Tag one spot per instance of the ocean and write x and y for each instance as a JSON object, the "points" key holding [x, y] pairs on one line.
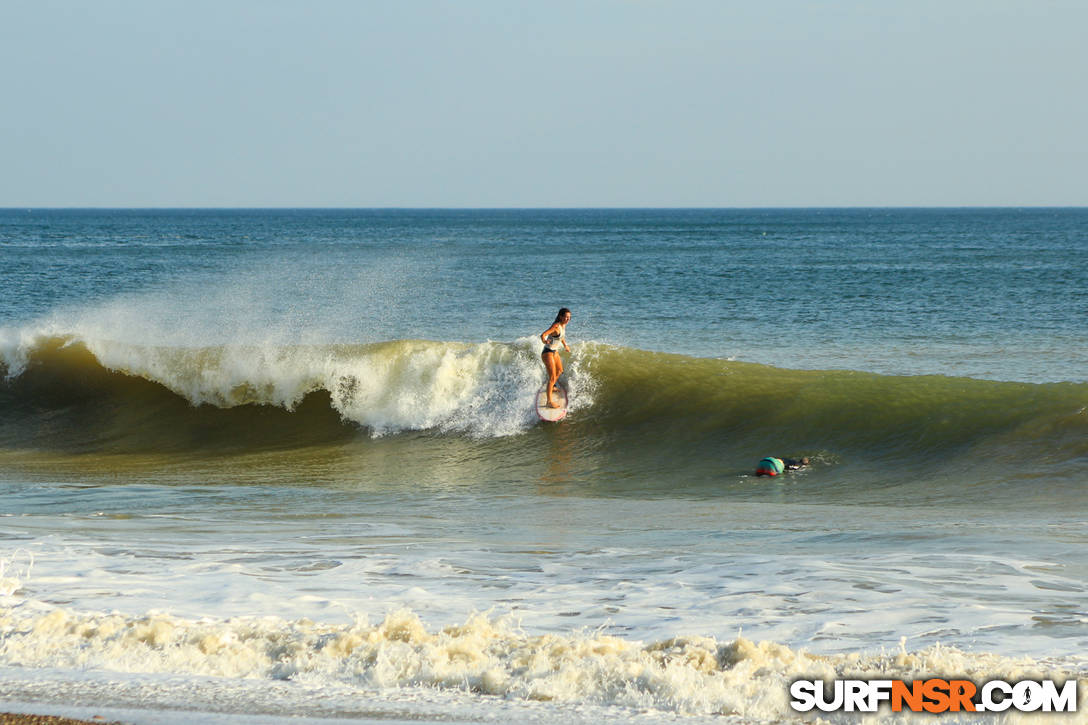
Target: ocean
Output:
{"points": [[279, 466]]}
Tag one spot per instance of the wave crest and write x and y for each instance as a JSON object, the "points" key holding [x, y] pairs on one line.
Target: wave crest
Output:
{"points": [[645, 408], [484, 389]]}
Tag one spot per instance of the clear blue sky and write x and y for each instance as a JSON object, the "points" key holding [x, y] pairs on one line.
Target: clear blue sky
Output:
{"points": [[557, 103]]}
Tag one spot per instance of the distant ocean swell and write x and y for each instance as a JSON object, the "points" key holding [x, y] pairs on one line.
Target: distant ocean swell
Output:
{"points": [[485, 656], [68, 393]]}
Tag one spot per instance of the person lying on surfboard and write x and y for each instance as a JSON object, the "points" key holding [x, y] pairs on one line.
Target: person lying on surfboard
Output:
{"points": [[771, 466], [552, 338]]}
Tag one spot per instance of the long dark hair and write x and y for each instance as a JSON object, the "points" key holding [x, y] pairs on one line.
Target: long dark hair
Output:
{"points": [[559, 317]]}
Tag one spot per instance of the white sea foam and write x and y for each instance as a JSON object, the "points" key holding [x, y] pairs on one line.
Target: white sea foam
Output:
{"points": [[13, 570], [484, 656], [614, 600]]}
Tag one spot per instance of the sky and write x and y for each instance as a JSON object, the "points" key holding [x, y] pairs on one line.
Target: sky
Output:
{"points": [[564, 103]]}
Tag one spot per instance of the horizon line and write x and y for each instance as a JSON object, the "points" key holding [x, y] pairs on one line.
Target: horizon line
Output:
{"points": [[539, 208]]}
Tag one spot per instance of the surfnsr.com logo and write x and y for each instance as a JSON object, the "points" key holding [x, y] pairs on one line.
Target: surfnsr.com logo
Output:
{"points": [[934, 695]]}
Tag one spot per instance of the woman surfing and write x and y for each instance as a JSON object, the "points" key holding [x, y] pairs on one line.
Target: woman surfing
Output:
{"points": [[552, 338]]}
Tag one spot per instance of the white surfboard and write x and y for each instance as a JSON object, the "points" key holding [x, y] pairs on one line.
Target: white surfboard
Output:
{"points": [[552, 415]]}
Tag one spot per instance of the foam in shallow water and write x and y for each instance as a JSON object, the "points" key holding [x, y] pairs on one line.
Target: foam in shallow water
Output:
{"points": [[484, 656]]}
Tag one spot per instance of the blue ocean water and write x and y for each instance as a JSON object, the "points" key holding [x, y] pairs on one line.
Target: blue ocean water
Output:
{"points": [[994, 293], [284, 462]]}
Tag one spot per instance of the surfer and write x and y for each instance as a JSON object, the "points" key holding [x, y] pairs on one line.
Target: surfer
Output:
{"points": [[771, 466], [552, 338]]}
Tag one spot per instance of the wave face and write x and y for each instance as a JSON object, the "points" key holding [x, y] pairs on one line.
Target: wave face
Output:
{"points": [[658, 412]]}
